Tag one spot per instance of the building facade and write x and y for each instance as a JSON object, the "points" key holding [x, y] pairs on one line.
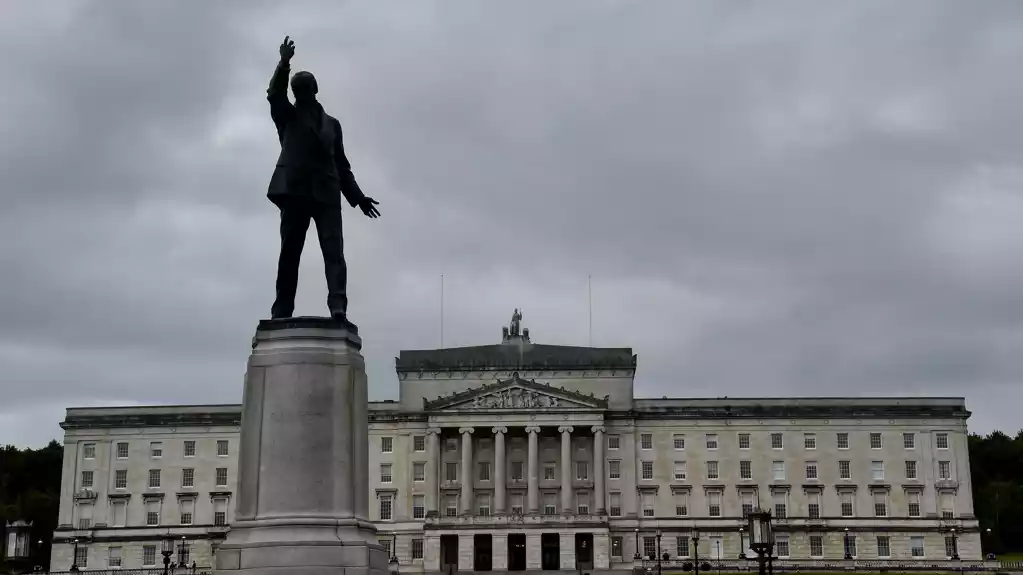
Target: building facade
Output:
{"points": [[521, 456]]}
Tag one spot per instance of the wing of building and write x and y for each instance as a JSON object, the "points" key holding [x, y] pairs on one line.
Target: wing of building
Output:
{"points": [[519, 456]]}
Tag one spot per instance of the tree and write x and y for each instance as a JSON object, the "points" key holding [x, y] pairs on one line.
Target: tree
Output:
{"points": [[30, 490], [996, 470]]}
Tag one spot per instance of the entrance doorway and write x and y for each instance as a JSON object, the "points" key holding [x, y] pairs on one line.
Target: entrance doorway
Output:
{"points": [[516, 551], [550, 551], [483, 553], [449, 553], [584, 551]]}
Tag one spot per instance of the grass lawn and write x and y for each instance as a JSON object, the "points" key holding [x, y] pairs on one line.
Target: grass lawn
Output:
{"points": [[1018, 556]]}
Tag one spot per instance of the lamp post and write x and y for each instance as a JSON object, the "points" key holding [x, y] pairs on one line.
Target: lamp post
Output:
{"points": [[742, 543], [845, 544], [955, 544], [394, 553], [658, 552], [74, 557], [183, 553], [761, 537], [167, 549], [696, 551], [990, 545], [637, 556]]}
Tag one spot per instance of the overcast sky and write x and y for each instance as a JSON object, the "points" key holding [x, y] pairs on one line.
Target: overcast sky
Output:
{"points": [[773, 198]]}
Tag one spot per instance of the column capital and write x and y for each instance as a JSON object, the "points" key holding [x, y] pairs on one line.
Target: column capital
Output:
{"points": [[566, 429], [464, 430], [433, 431], [533, 429], [598, 429], [499, 429]]}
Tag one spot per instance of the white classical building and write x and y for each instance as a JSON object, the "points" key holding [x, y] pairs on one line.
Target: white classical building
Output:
{"points": [[521, 456]]}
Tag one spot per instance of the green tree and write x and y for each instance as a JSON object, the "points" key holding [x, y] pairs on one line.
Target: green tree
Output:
{"points": [[30, 490], [996, 470]]}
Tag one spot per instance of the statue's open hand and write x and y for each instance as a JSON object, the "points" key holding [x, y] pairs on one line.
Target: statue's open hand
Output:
{"points": [[368, 207], [287, 48]]}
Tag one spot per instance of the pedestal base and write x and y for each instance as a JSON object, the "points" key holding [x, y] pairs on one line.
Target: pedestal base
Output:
{"points": [[302, 502]]}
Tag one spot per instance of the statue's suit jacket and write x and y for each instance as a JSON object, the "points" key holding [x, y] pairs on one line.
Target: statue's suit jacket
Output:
{"points": [[312, 164]]}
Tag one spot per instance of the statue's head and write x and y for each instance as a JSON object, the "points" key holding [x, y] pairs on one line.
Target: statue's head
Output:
{"points": [[303, 85]]}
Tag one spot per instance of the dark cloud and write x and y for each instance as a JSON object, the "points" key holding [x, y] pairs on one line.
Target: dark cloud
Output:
{"points": [[771, 199]]}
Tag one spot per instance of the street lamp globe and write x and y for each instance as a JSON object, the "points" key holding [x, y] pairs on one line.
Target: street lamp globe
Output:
{"points": [[761, 534]]}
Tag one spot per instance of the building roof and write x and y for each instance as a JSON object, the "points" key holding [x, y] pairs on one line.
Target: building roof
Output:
{"points": [[515, 355]]}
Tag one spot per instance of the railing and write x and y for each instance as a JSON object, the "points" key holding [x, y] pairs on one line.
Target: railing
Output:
{"points": [[138, 571], [513, 519], [813, 566]]}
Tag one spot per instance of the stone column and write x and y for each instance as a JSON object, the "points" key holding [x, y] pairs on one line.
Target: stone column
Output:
{"points": [[466, 552], [533, 486], [566, 542], [533, 552], [303, 491], [602, 551], [432, 472], [431, 553], [499, 551], [466, 499], [566, 471], [599, 497], [500, 476]]}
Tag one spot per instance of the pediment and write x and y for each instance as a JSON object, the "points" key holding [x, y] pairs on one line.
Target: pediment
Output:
{"points": [[516, 394]]}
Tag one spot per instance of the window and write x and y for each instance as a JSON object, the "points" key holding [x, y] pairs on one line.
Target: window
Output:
{"points": [[119, 508], [811, 470], [946, 506], [649, 547], [845, 499], [712, 441], [550, 504], [450, 444], [148, 555], [221, 477], [647, 469], [616, 504], [188, 477], [913, 500], [483, 505], [776, 441], [781, 545], [121, 479], [550, 471], [418, 506], [616, 546], [842, 440], [186, 518], [87, 477], [712, 470], [419, 443], [154, 478], [419, 472], [614, 469], [189, 448], [941, 441], [386, 543], [810, 440], [875, 441], [682, 546], [849, 545], [844, 470], [944, 470], [113, 557], [152, 517], [516, 503], [778, 470], [743, 441], [877, 470], [89, 451], [746, 501], [646, 441], [484, 471], [222, 449], [417, 549], [122, 450], [745, 470], [516, 470], [386, 444], [714, 504], [451, 506], [186, 506], [220, 511], [880, 504], [386, 507], [950, 547], [647, 500], [156, 449], [781, 506], [84, 515], [614, 442], [679, 471], [679, 442], [813, 506], [816, 546], [884, 547], [582, 470], [582, 502], [910, 470], [681, 504], [450, 472], [385, 473], [185, 552], [909, 441], [916, 547]]}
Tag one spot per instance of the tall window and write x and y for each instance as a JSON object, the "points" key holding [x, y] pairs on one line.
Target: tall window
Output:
{"points": [[849, 545], [85, 515], [148, 555], [780, 504], [714, 504], [614, 442], [222, 449], [89, 451], [156, 449], [483, 504], [152, 512], [450, 471], [582, 470], [188, 477], [417, 549], [550, 504], [950, 547], [877, 470], [119, 510], [646, 441], [386, 507], [186, 509], [484, 471], [875, 441], [679, 471], [712, 441], [221, 476], [845, 499], [87, 478], [910, 470], [916, 547], [516, 503], [418, 506], [616, 546], [451, 506], [816, 546], [419, 471], [778, 470], [113, 556], [884, 547], [385, 473], [909, 441], [189, 448], [781, 545], [681, 503], [682, 546], [913, 501], [516, 470], [647, 469], [844, 470], [941, 441], [810, 440], [712, 470], [813, 505], [154, 478], [121, 479], [679, 442], [946, 504], [647, 499], [776, 441], [582, 502], [220, 511], [615, 507], [122, 450], [842, 440], [550, 471], [650, 547], [745, 469], [419, 443], [944, 470], [746, 500], [880, 504], [386, 444], [614, 469], [744, 441], [811, 470]]}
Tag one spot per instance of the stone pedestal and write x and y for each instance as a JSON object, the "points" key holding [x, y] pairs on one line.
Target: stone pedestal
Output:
{"points": [[302, 501]]}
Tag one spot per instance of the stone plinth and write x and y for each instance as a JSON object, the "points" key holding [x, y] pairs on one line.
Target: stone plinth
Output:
{"points": [[302, 501]]}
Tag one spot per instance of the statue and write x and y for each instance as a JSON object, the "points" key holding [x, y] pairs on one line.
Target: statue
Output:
{"points": [[515, 322], [311, 171]]}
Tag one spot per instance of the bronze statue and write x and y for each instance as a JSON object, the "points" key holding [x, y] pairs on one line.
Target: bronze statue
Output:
{"points": [[311, 170]]}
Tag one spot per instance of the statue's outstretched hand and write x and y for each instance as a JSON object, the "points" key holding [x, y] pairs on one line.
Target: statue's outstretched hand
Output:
{"points": [[287, 49], [368, 207]]}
